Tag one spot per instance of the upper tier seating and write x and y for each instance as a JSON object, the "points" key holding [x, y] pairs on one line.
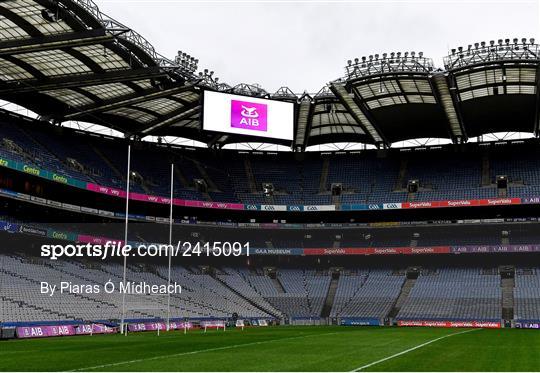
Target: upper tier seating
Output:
{"points": [[365, 178]]}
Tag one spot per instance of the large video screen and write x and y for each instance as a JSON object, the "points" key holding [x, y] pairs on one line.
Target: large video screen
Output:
{"points": [[249, 116]]}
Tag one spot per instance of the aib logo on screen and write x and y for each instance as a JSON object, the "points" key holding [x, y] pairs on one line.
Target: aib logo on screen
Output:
{"points": [[249, 116]]}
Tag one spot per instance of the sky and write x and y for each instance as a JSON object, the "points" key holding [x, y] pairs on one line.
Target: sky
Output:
{"points": [[306, 44]]}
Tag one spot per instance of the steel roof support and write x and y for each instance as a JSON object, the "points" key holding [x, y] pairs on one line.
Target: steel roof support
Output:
{"points": [[45, 43], [449, 103], [26, 67], [20, 22], [537, 110], [357, 113], [115, 104], [83, 80], [175, 116], [305, 113]]}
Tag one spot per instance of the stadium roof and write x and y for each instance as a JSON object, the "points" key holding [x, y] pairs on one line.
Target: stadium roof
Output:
{"points": [[65, 60]]}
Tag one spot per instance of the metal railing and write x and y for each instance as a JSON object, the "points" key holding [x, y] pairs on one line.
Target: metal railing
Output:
{"points": [[503, 50]]}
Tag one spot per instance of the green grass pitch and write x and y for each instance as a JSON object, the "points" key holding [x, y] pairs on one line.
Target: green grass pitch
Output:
{"points": [[282, 349]]}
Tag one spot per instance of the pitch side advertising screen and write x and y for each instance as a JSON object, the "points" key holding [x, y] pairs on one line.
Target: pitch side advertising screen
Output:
{"points": [[248, 116]]}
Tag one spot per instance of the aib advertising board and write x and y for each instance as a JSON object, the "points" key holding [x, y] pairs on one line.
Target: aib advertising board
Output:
{"points": [[248, 116]]}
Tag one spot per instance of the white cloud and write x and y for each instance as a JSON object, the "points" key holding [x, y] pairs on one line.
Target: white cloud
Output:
{"points": [[304, 45]]}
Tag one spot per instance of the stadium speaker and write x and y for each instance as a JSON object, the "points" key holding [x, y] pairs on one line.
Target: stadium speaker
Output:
{"points": [[337, 189], [268, 189], [412, 186], [50, 15], [200, 185], [502, 182]]}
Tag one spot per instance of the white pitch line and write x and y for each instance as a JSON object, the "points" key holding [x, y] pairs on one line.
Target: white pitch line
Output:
{"points": [[411, 349], [196, 352]]}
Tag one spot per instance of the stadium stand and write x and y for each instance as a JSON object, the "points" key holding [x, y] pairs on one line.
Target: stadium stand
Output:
{"points": [[451, 293], [76, 68]]}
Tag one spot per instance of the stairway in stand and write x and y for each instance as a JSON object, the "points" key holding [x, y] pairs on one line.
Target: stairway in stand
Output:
{"points": [[329, 302]]}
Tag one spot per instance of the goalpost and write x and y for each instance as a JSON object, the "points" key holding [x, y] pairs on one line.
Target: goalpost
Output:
{"points": [[123, 326], [157, 308]]}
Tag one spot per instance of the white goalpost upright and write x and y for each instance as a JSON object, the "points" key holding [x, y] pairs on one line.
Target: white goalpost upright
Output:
{"points": [[170, 250], [123, 327]]}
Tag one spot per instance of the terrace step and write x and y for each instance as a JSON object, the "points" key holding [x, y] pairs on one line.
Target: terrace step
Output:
{"points": [[250, 177], [324, 175], [331, 295], [507, 298], [408, 285], [278, 285]]}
